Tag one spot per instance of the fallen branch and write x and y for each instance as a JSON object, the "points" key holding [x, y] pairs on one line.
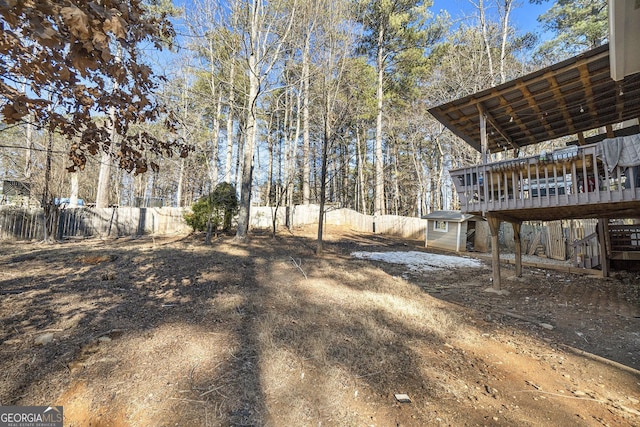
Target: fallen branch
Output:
{"points": [[591, 399], [211, 390], [187, 400], [525, 319], [367, 375], [298, 264]]}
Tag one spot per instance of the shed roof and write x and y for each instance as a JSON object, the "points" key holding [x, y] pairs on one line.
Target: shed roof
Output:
{"points": [[572, 96], [451, 216]]}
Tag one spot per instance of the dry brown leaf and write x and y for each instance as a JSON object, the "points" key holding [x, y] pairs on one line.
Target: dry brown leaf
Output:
{"points": [[8, 113], [116, 25], [77, 21], [45, 33]]}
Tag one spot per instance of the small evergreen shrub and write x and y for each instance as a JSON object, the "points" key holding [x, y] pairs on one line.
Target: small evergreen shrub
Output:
{"points": [[215, 210]]}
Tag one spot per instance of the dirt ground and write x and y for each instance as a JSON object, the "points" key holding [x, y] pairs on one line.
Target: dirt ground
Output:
{"points": [[172, 332]]}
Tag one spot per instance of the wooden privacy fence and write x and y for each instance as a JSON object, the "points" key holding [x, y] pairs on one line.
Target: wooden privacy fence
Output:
{"points": [[28, 224], [401, 226]]}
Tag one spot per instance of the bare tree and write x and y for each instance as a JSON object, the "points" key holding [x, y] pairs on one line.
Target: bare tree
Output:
{"points": [[336, 49], [261, 50], [504, 10]]}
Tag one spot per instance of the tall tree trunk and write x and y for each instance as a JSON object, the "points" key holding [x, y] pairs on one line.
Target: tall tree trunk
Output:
{"points": [[323, 176], [505, 32], [47, 204], [361, 180], [73, 196], [215, 131], [306, 144], [184, 138], [344, 167], [215, 134], [437, 202], [240, 139], [315, 149], [395, 178], [149, 189], [29, 140], [102, 196], [250, 130], [485, 36], [420, 174], [379, 205], [290, 171], [272, 153], [181, 171], [104, 176], [258, 67], [231, 100]]}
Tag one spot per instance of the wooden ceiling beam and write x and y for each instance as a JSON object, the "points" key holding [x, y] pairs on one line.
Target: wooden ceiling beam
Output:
{"points": [[497, 127], [512, 115], [557, 93], [609, 129], [563, 108], [603, 87], [606, 89], [581, 138], [588, 92], [536, 108]]}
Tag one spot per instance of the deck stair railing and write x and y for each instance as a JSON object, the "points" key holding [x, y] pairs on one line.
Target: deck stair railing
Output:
{"points": [[624, 238], [586, 252]]}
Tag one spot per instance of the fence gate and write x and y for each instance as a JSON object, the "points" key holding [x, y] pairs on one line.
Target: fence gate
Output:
{"points": [[556, 241]]}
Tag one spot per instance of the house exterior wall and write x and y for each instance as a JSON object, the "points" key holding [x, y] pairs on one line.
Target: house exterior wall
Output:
{"points": [[453, 239]]}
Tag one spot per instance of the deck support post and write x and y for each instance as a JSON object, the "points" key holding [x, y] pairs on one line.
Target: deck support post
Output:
{"points": [[603, 233], [494, 226], [484, 142], [518, 243]]}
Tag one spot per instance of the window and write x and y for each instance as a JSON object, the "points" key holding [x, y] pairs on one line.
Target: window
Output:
{"points": [[442, 226]]}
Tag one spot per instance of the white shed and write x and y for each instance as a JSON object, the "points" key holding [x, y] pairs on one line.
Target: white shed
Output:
{"points": [[455, 231]]}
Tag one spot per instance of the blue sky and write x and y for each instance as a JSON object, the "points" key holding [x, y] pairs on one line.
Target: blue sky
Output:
{"points": [[523, 16]]}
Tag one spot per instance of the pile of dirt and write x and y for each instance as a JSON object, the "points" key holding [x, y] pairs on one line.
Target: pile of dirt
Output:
{"points": [[264, 332]]}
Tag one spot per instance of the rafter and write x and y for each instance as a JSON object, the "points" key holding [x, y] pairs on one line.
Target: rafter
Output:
{"points": [[496, 126]]}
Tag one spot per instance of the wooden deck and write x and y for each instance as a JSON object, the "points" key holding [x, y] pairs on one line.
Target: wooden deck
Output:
{"points": [[570, 183], [565, 99]]}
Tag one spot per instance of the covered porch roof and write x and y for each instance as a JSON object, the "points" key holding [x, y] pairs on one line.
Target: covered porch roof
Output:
{"points": [[567, 98]]}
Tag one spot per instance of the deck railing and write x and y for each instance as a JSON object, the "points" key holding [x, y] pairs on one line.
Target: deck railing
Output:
{"points": [[568, 177], [586, 253]]}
